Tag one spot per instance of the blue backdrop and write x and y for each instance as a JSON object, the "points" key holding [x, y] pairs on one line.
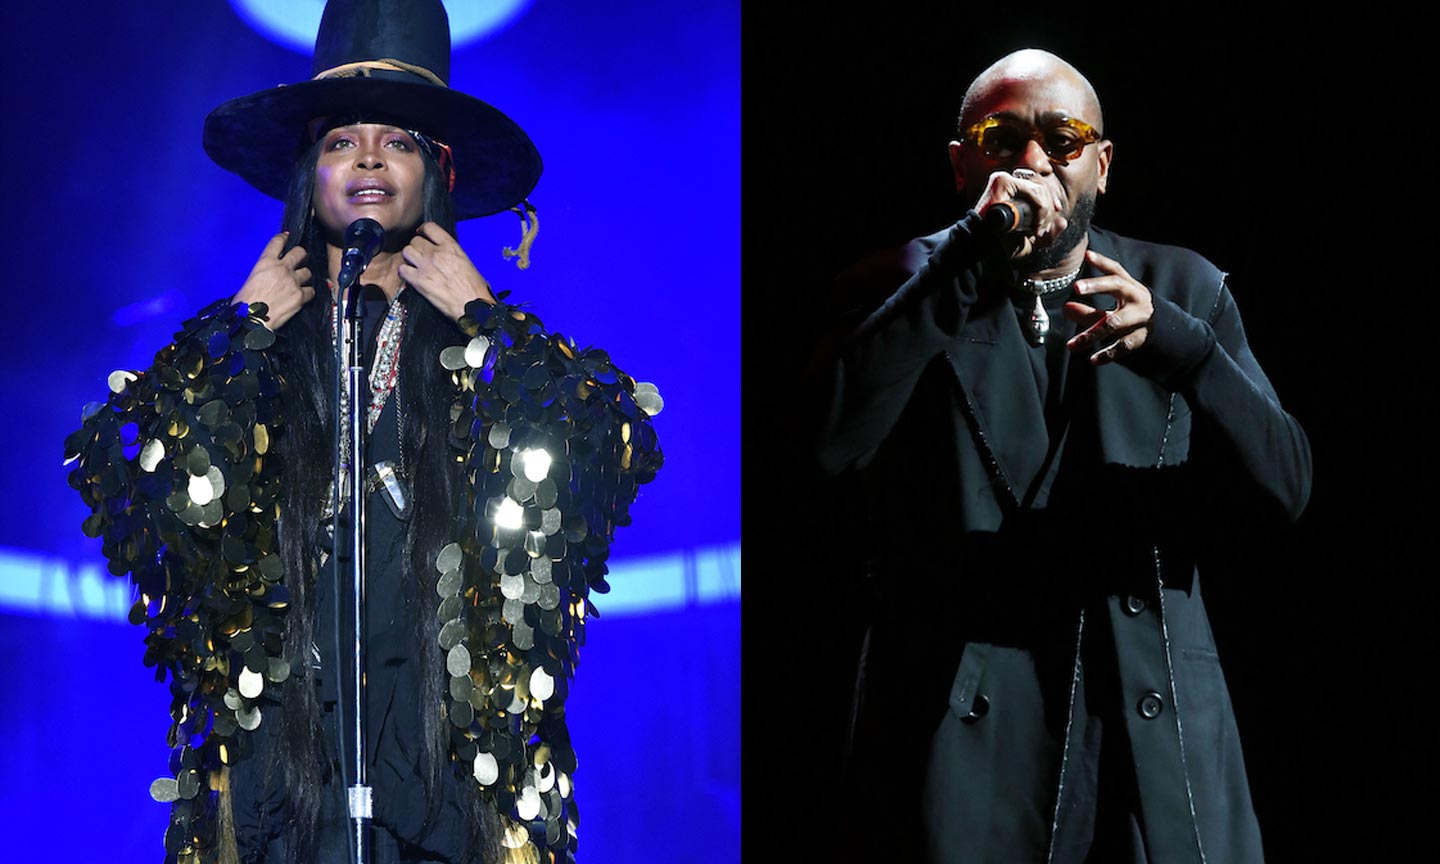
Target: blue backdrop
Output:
{"points": [[124, 227]]}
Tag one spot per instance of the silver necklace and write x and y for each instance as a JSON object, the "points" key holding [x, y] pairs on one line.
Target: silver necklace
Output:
{"points": [[384, 379], [1039, 322]]}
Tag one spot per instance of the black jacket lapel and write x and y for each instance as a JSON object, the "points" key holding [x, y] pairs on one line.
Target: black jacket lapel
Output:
{"points": [[991, 362], [1129, 429]]}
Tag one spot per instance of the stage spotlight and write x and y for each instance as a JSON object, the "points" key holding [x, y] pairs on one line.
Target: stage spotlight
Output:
{"points": [[293, 23]]}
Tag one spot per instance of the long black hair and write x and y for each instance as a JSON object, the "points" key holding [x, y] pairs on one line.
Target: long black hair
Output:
{"points": [[305, 354]]}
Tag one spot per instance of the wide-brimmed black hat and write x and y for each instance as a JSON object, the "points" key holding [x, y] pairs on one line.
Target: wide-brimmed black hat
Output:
{"points": [[387, 60]]}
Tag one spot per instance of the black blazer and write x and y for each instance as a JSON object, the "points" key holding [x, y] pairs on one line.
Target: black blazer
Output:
{"points": [[1008, 555]]}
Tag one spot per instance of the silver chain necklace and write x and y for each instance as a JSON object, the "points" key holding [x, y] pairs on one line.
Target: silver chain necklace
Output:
{"points": [[1038, 321], [384, 378]]}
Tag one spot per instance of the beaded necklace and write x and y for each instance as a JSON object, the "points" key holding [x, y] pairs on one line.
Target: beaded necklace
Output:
{"points": [[384, 378], [1038, 322]]}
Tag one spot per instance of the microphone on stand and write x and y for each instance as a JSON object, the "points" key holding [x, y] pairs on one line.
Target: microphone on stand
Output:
{"points": [[362, 240]]}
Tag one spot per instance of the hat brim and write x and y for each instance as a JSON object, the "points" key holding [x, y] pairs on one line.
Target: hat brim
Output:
{"points": [[259, 136]]}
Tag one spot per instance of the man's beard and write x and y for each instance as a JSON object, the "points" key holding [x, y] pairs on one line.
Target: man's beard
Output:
{"points": [[1076, 227]]}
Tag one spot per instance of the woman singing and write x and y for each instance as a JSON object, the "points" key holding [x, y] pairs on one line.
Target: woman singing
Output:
{"points": [[499, 460]]}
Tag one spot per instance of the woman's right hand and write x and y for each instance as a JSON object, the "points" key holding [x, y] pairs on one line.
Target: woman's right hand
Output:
{"points": [[281, 282]]}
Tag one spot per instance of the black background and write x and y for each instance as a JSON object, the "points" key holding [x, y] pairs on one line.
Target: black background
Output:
{"points": [[1294, 155]]}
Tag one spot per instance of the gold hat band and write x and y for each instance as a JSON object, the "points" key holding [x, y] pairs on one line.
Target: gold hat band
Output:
{"points": [[363, 68]]}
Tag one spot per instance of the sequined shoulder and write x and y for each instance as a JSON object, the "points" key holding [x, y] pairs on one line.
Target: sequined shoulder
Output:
{"points": [[555, 441], [177, 469]]}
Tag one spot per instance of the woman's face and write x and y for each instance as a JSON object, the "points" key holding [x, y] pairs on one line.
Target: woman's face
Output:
{"points": [[369, 170]]}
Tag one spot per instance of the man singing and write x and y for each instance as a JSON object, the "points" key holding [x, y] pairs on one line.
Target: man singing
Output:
{"points": [[1048, 426]]}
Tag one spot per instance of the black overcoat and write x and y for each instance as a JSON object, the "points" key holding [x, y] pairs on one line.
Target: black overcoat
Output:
{"points": [[1035, 590]]}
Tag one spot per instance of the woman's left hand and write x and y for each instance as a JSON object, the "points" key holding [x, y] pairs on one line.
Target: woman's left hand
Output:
{"points": [[434, 264]]}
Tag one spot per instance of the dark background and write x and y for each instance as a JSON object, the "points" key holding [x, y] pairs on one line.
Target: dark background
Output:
{"points": [[1293, 157]]}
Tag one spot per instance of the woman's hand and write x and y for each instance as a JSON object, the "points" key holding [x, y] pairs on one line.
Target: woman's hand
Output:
{"points": [[435, 265], [281, 282]]}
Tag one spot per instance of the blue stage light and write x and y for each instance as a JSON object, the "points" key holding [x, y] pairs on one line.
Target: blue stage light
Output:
{"points": [[293, 23]]}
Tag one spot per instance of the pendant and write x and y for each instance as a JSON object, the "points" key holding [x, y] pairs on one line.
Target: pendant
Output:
{"points": [[1039, 323], [394, 494]]}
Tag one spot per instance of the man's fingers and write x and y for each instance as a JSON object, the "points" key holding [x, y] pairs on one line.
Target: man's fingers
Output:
{"points": [[1113, 335], [1123, 328], [1042, 197], [1052, 230], [1087, 319], [1123, 287], [1031, 189], [295, 257], [1114, 351], [303, 276], [1081, 314], [1105, 265], [1120, 348]]}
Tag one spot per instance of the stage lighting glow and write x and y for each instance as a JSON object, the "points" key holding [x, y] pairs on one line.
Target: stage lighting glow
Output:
{"points": [[535, 463], [32, 583], [510, 514], [293, 23]]}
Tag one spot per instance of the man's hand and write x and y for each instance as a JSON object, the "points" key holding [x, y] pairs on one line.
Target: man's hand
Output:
{"points": [[436, 266], [1049, 209], [1113, 335], [281, 282]]}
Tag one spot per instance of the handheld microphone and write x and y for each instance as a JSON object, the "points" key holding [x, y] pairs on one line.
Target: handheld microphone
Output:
{"points": [[1010, 217], [362, 240]]}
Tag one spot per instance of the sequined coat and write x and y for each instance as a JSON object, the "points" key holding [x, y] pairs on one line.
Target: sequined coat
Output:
{"points": [[1034, 573], [179, 472]]}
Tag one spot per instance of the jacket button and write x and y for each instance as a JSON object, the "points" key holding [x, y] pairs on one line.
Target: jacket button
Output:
{"points": [[1134, 605], [1150, 705], [978, 708]]}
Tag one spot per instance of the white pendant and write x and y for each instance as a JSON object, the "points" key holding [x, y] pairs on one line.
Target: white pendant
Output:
{"points": [[1039, 323]]}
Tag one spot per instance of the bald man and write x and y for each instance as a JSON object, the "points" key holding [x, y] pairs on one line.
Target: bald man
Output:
{"points": [[1048, 425]]}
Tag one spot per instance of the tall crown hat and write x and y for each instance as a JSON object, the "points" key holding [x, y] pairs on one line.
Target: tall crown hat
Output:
{"points": [[387, 61]]}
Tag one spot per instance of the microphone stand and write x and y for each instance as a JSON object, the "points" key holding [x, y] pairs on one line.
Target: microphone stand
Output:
{"points": [[350, 375]]}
